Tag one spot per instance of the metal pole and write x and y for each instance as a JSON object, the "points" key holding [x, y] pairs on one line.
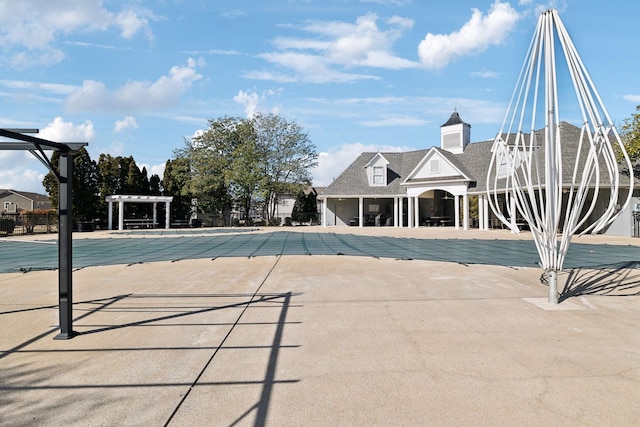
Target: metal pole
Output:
{"points": [[552, 165], [552, 277], [65, 226]]}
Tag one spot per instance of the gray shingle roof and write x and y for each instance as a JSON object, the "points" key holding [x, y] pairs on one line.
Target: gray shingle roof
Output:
{"points": [[473, 163], [453, 120]]}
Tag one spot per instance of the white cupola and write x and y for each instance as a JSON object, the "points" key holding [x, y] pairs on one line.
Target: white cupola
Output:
{"points": [[455, 134]]}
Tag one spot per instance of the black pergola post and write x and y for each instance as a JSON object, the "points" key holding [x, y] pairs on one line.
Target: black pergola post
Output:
{"points": [[65, 228], [64, 174]]}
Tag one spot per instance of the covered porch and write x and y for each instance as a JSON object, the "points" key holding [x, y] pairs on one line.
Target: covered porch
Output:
{"points": [[421, 207]]}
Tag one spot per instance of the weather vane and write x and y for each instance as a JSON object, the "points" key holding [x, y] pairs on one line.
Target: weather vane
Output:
{"points": [[560, 184]]}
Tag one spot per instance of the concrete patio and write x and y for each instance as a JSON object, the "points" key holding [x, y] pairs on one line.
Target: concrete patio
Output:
{"points": [[322, 340]]}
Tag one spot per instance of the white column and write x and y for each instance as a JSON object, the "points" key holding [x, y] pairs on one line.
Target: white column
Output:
{"points": [[324, 212], [167, 215], [360, 212], [401, 212], [120, 215], [456, 211], [395, 211], [409, 212], [155, 214], [487, 212], [465, 212], [110, 215], [416, 216], [481, 212]]}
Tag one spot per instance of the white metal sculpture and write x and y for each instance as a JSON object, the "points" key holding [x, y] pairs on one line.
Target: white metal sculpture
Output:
{"points": [[559, 187]]}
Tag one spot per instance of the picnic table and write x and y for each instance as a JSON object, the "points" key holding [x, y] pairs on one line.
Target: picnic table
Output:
{"points": [[140, 223]]}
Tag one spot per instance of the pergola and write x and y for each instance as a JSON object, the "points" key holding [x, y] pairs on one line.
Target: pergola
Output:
{"points": [[20, 140], [122, 199]]}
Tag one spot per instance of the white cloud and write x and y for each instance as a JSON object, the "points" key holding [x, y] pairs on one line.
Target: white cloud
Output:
{"points": [[29, 29], [331, 163], [485, 74], [136, 95], [477, 34], [251, 100], [391, 2], [334, 45], [304, 68], [19, 170], [153, 169], [54, 88], [128, 122], [403, 121], [60, 131], [115, 149], [632, 98], [559, 5]]}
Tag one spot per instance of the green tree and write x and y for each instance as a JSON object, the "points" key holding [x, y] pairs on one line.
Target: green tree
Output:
{"points": [[176, 183], [288, 156], [111, 181], [305, 207], [211, 158], [248, 162], [85, 185], [155, 185], [245, 175], [630, 134]]}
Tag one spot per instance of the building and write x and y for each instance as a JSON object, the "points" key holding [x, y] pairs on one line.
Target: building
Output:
{"points": [[286, 202], [432, 187], [12, 201]]}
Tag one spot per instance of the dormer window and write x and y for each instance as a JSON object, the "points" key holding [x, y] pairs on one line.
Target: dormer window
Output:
{"points": [[378, 175], [377, 170]]}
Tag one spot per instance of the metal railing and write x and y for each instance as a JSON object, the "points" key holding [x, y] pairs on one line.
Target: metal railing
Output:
{"points": [[29, 222]]}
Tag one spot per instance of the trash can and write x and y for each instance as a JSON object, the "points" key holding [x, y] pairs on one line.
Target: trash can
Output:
{"points": [[85, 226]]}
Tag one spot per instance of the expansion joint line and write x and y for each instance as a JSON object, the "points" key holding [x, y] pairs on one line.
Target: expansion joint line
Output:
{"points": [[208, 363]]}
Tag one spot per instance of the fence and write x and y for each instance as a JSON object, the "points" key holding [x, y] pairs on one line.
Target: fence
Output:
{"points": [[28, 222]]}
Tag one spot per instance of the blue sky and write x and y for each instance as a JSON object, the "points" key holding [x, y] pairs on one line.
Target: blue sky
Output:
{"points": [[137, 77]]}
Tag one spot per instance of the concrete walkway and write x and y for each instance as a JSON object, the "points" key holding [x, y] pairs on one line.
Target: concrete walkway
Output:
{"points": [[320, 340]]}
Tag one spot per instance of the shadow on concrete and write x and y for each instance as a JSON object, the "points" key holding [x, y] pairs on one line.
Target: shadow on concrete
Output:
{"points": [[22, 378], [621, 279], [100, 304]]}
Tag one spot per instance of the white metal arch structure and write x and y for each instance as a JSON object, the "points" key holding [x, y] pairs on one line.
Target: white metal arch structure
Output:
{"points": [[18, 140], [555, 187]]}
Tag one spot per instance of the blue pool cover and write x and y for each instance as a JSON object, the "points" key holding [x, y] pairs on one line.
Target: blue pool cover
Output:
{"points": [[43, 255]]}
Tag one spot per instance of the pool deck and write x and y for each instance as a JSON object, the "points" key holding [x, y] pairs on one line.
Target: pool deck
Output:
{"points": [[322, 340]]}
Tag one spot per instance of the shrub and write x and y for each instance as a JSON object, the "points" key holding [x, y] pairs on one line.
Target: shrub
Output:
{"points": [[275, 221], [288, 221], [37, 217]]}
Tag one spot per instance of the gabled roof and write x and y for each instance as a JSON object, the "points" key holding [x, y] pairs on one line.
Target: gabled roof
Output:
{"points": [[26, 194], [354, 181], [473, 165], [373, 160], [462, 173]]}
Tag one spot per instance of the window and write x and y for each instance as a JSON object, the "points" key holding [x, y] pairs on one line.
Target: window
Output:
{"points": [[434, 166], [9, 207], [515, 158], [378, 175]]}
